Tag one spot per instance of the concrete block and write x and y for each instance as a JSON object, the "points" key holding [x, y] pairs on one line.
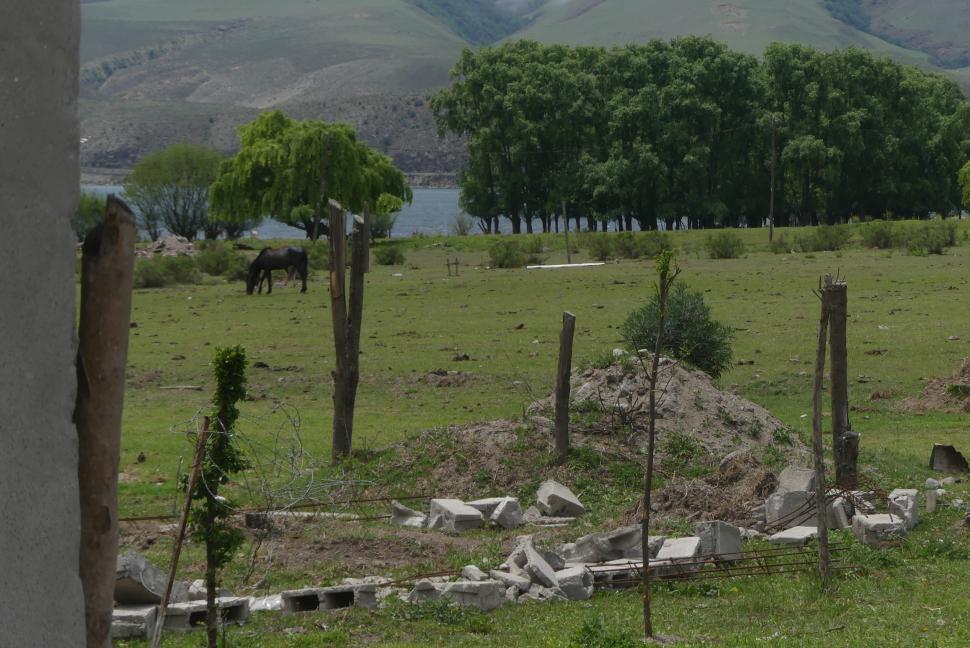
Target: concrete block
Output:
{"points": [[795, 536], [511, 580], [532, 515], [680, 549], [878, 528], [486, 506], [484, 595], [539, 568], [424, 591], [838, 514], [473, 573], [719, 539], [272, 603], [946, 458], [138, 582], [557, 500], [406, 517], [191, 615], [790, 509], [904, 502], [794, 479], [624, 542], [576, 583], [454, 515], [133, 621], [932, 499], [508, 514], [864, 502]]}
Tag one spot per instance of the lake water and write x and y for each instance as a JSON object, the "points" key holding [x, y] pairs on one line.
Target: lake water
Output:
{"points": [[431, 212]]}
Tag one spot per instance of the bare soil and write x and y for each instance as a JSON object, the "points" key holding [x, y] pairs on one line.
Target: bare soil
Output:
{"points": [[950, 394]]}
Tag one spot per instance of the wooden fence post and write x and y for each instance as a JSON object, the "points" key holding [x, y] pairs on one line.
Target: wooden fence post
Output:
{"points": [[107, 270], [845, 442], [817, 448], [562, 383]]}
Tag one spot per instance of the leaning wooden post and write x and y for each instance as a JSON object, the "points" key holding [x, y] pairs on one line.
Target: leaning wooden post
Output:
{"points": [[562, 383], [338, 310], [845, 442], [107, 269], [180, 536], [821, 509]]}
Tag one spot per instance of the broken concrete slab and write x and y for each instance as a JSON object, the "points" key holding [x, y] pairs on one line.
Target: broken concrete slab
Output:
{"points": [[507, 514], [473, 573], [863, 501], [133, 621], [272, 603], [406, 517], [904, 502], [576, 583], [540, 593], [486, 506], [791, 509], [484, 595], [511, 580], [624, 542], [138, 582], [680, 549], [532, 514], [878, 528], [197, 591], [946, 458], [839, 514], [424, 591], [538, 568], [555, 499], [795, 536], [191, 615], [794, 479], [719, 539], [512, 594], [454, 515]]}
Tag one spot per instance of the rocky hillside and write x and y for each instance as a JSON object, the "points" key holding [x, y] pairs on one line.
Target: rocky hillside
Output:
{"points": [[154, 73]]}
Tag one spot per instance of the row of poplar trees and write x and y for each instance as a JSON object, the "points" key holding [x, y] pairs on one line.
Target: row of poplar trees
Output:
{"points": [[688, 132]]}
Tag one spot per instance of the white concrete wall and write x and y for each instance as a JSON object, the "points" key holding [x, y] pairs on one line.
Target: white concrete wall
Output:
{"points": [[41, 602]]}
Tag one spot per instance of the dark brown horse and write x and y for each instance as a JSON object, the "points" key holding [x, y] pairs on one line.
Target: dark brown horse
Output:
{"points": [[269, 259]]}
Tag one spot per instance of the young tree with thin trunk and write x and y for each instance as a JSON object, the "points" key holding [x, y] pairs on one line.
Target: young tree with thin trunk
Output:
{"points": [[667, 272]]}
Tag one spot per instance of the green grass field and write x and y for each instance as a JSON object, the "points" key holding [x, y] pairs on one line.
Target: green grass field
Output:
{"points": [[418, 319]]}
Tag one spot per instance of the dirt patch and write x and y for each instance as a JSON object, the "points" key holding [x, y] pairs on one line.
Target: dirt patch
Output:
{"points": [[138, 378], [444, 378], [951, 394]]}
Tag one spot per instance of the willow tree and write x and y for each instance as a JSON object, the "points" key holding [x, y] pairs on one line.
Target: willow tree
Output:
{"points": [[303, 173]]}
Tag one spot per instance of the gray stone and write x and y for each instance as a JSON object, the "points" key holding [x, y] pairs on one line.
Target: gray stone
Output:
{"points": [[454, 515], [133, 621], [790, 509], [794, 536], [932, 499], [197, 591], [138, 582], [473, 573], [752, 534], [508, 514], [41, 601], [946, 458], [864, 502], [878, 528], [511, 580], [680, 549], [557, 500], [486, 506], [532, 515], [541, 593], [424, 591], [839, 514], [794, 479], [624, 542], [904, 502], [272, 603], [539, 568], [932, 483], [576, 583], [191, 615], [406, 517], [512, 594], [719, 539], [484, 595], [948, 481]]}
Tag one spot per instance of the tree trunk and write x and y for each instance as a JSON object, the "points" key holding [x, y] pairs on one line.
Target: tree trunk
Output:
{"points": [[107, 270]]}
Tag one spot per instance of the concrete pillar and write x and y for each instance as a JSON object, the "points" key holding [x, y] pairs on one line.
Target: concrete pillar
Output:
{"points": [[41, 602]]}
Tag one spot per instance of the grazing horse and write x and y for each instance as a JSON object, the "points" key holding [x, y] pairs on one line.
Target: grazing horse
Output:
{"points": [[270, 259]]}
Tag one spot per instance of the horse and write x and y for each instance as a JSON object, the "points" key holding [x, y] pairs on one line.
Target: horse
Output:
{"points": [[269, 259]]}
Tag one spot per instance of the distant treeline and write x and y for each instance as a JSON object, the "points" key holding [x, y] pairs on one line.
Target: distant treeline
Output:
{"points": [[690, 131]]}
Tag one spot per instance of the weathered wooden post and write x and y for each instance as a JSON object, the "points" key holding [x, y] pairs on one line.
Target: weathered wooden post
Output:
{"points": [[825, 294], [562, 383], [346, 325], [107, 270], [845, 442]]}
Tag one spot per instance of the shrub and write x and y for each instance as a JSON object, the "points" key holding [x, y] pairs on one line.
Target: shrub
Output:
{"points": [[825, 238], [389, 255], [600, 246], [780, 245], [726, 244], [381, 225], [626, 246], [878, 234], [219, 259], [534, 250], [690, 333], [932, 237], [653, 243], [318, 254], [506, 254], [162, 271], [90, 211], [462, 225], [595, 633]]}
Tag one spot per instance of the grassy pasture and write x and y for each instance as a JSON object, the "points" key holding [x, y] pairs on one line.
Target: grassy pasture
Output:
{"points": [[507, 323]]}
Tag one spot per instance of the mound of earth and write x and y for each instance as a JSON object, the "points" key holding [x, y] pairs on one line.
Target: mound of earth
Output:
{"points": [[689, 405], [951, 395]]}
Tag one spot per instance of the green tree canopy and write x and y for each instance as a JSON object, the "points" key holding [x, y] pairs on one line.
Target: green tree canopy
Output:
{"points": [[90, 211], [288, 169], [172, 186]]}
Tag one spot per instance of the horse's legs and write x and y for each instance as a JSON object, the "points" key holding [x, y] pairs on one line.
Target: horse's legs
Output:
{"points": [[303, 273], [269, 281]]}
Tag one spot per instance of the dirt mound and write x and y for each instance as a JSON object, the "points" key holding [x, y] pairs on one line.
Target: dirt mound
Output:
{"points": [[691, 409], [951, 395], [444, 378], [168, 246]]}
